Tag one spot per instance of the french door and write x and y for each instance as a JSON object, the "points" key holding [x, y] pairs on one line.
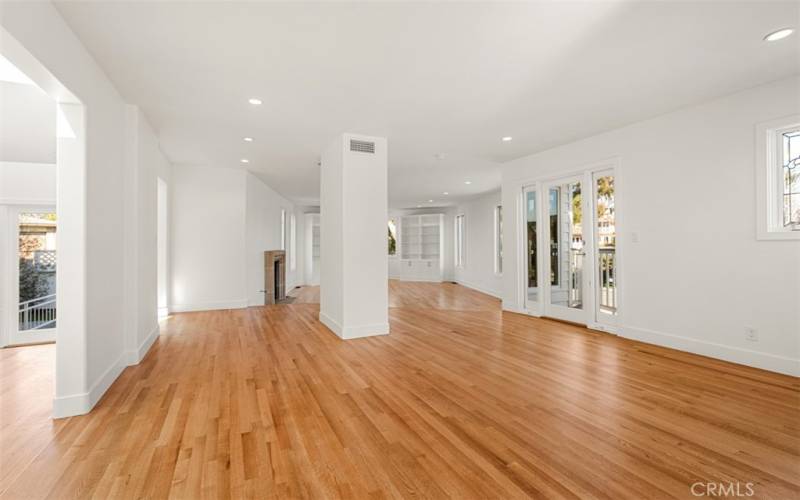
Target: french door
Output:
{"points": [[564, 231], [31, 308], [569, 248]]}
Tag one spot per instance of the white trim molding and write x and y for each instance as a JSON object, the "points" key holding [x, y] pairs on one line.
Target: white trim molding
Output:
{"points": [[481, 289], [134, 357], [208, 306], [82, 403], [762, 360], [353, 332]]}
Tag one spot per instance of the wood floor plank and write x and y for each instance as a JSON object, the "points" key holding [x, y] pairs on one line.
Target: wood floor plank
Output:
{"points": [[461, 400]]}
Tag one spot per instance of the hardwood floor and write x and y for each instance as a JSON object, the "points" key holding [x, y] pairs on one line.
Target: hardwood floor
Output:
{"points": [[461, 400]]}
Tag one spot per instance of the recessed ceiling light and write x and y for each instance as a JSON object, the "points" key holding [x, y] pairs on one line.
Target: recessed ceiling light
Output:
{"points": [[445, 193], [507, 138], [419, 206], [244, 160], [468, 182], [254, 101], [430, 201], [779, 35], [248, 139]]}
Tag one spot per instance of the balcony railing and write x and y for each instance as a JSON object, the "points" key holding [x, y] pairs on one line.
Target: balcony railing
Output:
{"points": [[38, 313], [608, 279]]}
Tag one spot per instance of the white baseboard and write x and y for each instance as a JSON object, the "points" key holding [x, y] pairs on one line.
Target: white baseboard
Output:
{"points": [[422, 280], [134, 357], [514, 309], [765, 361], [80, 404], [353, 332], [209, 306], [477, 288]]}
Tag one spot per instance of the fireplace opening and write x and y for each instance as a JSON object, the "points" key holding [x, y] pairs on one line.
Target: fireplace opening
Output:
{"points": [[277, 285]]}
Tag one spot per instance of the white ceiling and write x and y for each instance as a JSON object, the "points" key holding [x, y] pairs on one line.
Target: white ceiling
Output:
{"points": [[449, 78]]}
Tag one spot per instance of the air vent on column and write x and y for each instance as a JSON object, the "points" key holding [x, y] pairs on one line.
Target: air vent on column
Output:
{"points": [[362, 146]]}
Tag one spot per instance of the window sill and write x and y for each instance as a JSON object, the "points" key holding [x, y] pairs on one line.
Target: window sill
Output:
{"points": [[778, 236]]}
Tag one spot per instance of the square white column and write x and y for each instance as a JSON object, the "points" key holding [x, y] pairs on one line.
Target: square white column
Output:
{"points": [[354, 280]]}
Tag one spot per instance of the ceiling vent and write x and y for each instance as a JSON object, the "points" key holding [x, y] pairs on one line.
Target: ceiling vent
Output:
{"points": [[362, 146]]}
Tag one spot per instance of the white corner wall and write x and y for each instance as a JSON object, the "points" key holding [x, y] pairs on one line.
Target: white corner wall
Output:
{"points": [[263, 232], [697, 276], [222, 220], [478, 271], [89, 362]]}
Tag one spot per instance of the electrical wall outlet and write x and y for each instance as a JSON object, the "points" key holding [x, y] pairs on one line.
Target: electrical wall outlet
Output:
{"points": [[751, 334]]}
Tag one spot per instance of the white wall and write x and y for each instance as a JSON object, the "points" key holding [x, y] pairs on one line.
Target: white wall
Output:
{"points": [[478, 271], [208, 238], [145, 162], [263, 232], [222, 220], [93, 356], [27, 183], [698, 276], [27, 124]]}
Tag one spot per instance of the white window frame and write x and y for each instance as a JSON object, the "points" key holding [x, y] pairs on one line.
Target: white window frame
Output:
{"points": [[283, 229], [498, 240], [459, 231], [292, 242], [769, 179]]}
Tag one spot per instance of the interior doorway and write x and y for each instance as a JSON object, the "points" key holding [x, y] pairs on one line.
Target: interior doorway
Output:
{"points": [[312, 250], [162, 257]]}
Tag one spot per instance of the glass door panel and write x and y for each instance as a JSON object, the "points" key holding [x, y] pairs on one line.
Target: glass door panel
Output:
{"points": [[606, 244], [34, 274], [531, 242], [566, 250], [566, 245]]}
